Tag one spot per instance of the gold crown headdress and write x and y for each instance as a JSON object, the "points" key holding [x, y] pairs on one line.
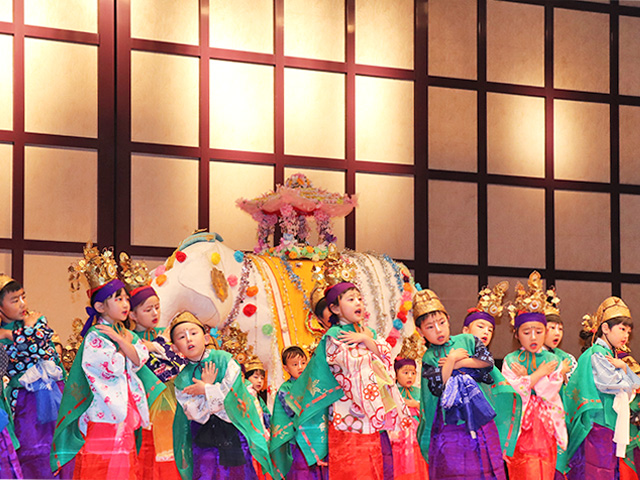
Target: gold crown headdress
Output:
{"points": [[611, 307], [532, 300], [5, 280], [426, 301], [335, 269], [133, 274], [551, 302], [234, 341], [413, 347], [490, 301], [99, 269]]}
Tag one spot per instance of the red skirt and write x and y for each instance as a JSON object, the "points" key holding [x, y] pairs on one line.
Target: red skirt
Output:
{"points": [[355, 456], [109, 449]]}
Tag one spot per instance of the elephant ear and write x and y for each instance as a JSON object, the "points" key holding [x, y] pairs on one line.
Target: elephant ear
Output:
{"points": [[196, 275]]}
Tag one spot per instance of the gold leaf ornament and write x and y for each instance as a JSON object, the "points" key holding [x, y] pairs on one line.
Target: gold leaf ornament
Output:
{"points": [[220, 284]]}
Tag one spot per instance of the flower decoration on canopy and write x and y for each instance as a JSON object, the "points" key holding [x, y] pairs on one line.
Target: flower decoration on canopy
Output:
{"points": [[291, 205]]}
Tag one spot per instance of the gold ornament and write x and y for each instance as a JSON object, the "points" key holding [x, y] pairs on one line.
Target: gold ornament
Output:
{"points": [[133, 274], [532, 300], [219, 283], [426, 301], [413, 347], [234, 341], [99, 269], [490, 301], [551, 302]]}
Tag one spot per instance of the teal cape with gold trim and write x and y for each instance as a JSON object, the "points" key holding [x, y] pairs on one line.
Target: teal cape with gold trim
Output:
{"points": [[282, 432], [310, 397], [585, 405], [76, 399], [502, 397], [239, 406]]}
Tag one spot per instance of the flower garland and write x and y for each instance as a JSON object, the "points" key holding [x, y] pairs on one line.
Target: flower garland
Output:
{"points": [[242, 291], [407, 286]]}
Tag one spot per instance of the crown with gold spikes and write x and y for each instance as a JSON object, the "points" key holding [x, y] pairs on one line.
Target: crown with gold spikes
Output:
{"points": [[413, 347], [5, 280], [426, 301], [490, 301], [98, 268], [335, 269], [611, 307], [531, 300], [234, 341], [133, 274], [552, 301]]}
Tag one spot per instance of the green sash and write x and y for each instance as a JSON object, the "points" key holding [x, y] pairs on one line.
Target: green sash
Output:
{"points": [[415, 394], [585, 405], [502, 397], [310, 397], [239, 406], [76, 399], [282, 432]]}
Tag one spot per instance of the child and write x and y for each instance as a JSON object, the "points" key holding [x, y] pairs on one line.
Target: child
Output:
{"points": [[465, 443], [481, 323], [36, 379], [104, 401], [285, 451], [598, 395], [537, 375], [555, 332], [9, 463], [155, 456], [320, 308], [408, 462], [351, 372], [217, 427]]}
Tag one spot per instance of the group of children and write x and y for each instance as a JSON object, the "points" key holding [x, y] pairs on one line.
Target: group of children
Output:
{"points": [[142, 402]]}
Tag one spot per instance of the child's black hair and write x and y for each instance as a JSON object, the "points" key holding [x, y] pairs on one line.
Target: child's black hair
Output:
{"points": [[254, 370], [293, 351], [320, 306], [554, 318], [589, 337], [10, 287]]}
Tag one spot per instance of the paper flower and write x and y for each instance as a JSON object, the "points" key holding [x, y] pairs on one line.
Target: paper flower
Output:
{"points": [[251, 291], [238, 256], [267, 329], [232, 280], [181, 256], [249, 309], [160, 279], [215, 258]]}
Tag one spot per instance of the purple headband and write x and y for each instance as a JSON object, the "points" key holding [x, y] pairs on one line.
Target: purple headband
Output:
{"points": [[523, 318], [139, 295], [100, 295], [335, 291], [402, 362], [473, 316]]}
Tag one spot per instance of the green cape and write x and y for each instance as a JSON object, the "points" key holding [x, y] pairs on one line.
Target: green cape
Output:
{"points": [[585, 405], [414, 391], [282, 432], [310, 397], [76, 399], [239, 406], [502, 397]]}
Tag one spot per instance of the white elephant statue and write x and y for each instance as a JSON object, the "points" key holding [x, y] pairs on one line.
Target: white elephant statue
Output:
{"points": [[268, 297]]}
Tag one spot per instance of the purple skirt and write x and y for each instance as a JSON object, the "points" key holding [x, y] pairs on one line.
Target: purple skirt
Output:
{"points": [[301, 471], [453, 454], [35, 438], [9, 464], [206, 462], [595, 458]]}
